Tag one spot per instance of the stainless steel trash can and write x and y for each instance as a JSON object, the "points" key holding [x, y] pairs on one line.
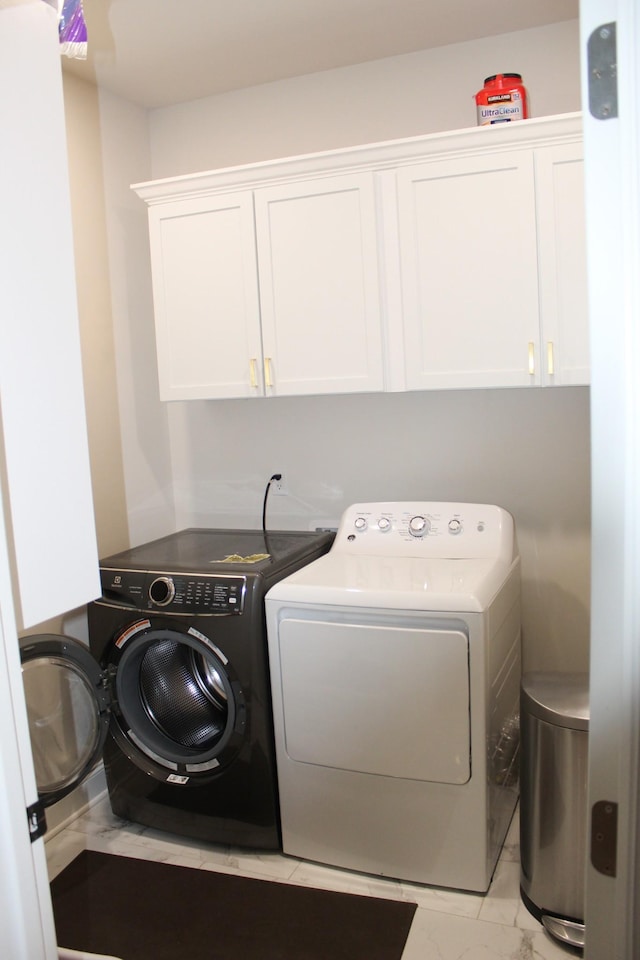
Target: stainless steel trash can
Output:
{"points": [[554, 717]]}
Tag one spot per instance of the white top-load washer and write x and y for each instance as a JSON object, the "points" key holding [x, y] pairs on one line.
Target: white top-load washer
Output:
{"points": [[395, 672]]}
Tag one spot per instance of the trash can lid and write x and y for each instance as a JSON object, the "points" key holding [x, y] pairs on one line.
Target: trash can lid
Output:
{"points": [[559, 698]]}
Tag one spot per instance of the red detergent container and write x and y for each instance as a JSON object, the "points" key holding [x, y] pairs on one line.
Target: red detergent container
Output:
{"points": [[502, 99]]}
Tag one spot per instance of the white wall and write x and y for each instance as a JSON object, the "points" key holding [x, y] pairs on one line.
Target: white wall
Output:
{"points": [[527, 450], [108, 144], [88, 210], [403, 96], [144, 420]]}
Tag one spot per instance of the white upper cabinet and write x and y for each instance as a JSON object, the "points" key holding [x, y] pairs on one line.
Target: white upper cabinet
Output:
{"points": [[319, 291], [205, 291], [493, 268], [300, 276], [562, 264], [469, 275], [446, 261]]}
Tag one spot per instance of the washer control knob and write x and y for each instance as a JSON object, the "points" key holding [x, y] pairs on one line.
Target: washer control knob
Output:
{"points": [[419, 526], [384, 524], [162, 591], [455, 527], [360, 523]]}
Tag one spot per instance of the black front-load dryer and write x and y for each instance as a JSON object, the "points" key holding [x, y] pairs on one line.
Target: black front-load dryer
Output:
{"points": [[182, 683]]}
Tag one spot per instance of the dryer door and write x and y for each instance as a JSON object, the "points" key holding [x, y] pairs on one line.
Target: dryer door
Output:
{"points": [[68, 708], [380, 698]]}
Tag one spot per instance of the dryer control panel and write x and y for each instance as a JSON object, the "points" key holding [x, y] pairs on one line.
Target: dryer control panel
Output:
{"points": [[427, 529], [177, 593]]}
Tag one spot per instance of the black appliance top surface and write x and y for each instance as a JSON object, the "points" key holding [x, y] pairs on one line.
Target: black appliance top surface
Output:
{"points": [[219, 550]]}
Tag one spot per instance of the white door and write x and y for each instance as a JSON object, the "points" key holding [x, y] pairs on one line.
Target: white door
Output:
{"points": [[319, 292], [26, 917], [612, 165], [43, 435], [469, 272], [45, 494]]}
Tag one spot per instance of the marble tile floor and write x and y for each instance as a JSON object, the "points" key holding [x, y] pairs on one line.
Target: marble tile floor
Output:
{"points": [[448, 925]]}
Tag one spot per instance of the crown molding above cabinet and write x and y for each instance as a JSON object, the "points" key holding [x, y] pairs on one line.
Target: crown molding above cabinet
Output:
{"points": [[452, 260]]}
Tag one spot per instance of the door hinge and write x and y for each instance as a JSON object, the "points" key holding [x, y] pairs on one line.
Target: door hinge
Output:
{"points": [[602, 67], [604, 836], [37, 821]]}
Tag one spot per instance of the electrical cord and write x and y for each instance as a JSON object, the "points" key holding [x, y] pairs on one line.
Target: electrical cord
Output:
{"points": [[276, 476]]}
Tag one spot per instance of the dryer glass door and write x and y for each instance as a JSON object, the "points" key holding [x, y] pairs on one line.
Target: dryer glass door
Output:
{"points": [[68, 712]]}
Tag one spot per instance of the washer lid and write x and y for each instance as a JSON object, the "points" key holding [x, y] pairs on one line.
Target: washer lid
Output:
{"points": [[407, 583], [68, 712], [558, 698]]}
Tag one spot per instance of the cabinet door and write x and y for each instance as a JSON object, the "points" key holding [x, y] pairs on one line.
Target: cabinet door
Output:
{"points": [[205, 290], [44, 455], [562, 264], [319, 294], [469, 271]]}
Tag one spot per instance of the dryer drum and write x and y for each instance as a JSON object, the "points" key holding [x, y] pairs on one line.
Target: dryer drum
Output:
{"points": [[183, 694]]}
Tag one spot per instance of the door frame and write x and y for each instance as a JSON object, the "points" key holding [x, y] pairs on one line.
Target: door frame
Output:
{"points": [[612, 152], [612, 184], [26, 915]]}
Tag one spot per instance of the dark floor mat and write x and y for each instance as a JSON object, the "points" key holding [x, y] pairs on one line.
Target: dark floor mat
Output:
{"points": [[142, 910]]}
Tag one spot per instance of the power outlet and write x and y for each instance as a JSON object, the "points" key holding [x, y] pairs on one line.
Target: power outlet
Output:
{"points": [[279, 487]]}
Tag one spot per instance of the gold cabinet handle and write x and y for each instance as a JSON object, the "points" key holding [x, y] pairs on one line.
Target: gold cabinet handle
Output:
{"points": [[532, 358], [550, 359], [253, 378], [268, 379]]}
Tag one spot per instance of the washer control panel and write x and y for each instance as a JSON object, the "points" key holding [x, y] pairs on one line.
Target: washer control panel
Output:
{"points": [[174, 593], [427, 529]]}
